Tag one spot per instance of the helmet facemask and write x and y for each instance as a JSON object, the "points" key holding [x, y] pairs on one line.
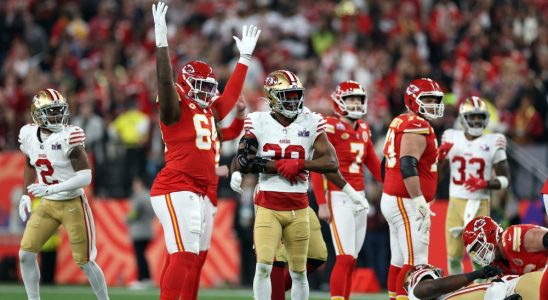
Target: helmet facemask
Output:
{"points": [[203, 91], [431, 111], [475, 127], [481, 251], [52, 117], [353, 111], [289, 102]]}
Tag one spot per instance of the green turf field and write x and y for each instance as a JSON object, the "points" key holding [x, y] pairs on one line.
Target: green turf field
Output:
{"points": [[17, 292]]}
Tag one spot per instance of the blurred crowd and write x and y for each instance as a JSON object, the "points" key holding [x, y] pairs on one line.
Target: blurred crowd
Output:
{"points": [[100, 54]]}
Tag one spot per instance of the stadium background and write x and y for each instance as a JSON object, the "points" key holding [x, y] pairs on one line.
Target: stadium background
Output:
{"points": [[100, 55]]}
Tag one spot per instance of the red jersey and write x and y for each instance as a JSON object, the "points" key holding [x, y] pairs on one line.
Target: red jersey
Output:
{"points": [[354, 148], [519, 260], [544, 190], [226, 134], [427, 167], [191, 142]]}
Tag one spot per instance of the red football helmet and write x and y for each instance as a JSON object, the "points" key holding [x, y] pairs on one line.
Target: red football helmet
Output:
{"points": [[481, 236], [420, 272], [424, 87], [346, 89], [198, 81]]}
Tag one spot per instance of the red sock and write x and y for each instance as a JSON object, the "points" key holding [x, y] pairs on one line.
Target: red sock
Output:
{"points": [[311, 266], [400, 291], [393, 273], [544, 285], [339, 275], [277, 280], [348, 288], [179, 265], [192, 282]]}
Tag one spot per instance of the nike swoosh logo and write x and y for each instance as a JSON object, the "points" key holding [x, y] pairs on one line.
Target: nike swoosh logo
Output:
{"points": [[417, 125], [71, 209]]}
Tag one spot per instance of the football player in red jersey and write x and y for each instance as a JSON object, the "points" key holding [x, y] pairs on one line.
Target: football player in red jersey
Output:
{"points": [[517, 250], [192, 282], [188, 130], [351, 137], [410, 180]]}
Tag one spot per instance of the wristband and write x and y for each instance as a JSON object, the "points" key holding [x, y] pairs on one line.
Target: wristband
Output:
{"points": [[503, 180]]}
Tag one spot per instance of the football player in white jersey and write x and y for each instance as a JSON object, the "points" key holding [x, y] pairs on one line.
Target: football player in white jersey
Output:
{"points": [[427, 282], [472, 156], [282, 146], [57, 159]]}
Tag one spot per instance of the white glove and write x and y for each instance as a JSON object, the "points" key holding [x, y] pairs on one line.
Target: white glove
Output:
{"points": [[40, 189], [25, 202], [236, 182], [360, 203], [160, 27], [423, 212], [249, 39]]}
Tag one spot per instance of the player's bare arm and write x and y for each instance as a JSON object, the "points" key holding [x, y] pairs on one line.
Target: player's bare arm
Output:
{"points": [[325, 159], [501, 170], [431, 289], [79, 159], [412, 148], [167, 93], [536, 240]]}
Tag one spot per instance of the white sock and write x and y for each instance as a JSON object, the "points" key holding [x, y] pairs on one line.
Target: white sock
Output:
{"points": [[96, 279], [262, 289], [30, 273], [299, 288]]}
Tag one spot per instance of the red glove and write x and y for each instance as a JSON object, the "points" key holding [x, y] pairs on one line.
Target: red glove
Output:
{"points": [[475, 183], [443, 150], [290, 169]]}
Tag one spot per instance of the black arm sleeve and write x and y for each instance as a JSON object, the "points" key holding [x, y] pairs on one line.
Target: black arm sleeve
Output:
{"points": [[408, 166]]}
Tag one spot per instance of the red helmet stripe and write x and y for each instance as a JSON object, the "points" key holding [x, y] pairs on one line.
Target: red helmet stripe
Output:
{"points": [[290, 76], [52, 94]]}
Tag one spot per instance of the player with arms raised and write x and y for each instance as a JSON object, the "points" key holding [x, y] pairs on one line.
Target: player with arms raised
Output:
{"points": [[472, 157], [351, 138], [410, 181], [55, 151], [281, 146], [188, 130]]}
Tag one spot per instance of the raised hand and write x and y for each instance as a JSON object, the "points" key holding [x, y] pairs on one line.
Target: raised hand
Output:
{"points": [[247, 44], [160, 27]]}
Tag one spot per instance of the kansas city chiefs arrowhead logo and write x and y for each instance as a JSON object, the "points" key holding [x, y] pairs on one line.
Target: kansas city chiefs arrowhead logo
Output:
{"points": [[412, 89], [188, 69], [479, 224]]}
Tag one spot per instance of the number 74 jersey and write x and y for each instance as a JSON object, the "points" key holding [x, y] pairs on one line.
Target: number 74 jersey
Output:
{"points": [[295, 141], [472, 158]]}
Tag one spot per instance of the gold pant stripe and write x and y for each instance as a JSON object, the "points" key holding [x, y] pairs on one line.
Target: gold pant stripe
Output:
{"points": [[335, 230], [175, 224], [407, 225]]}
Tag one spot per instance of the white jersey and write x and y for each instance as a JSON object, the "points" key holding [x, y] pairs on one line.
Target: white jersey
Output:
{"points": [[476, 157], [50, 156], [276, 142]]}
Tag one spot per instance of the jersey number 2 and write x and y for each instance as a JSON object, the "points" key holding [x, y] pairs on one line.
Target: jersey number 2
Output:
{"points": [[42, 162]]}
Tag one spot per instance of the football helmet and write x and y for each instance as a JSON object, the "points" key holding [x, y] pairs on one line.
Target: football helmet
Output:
{"points": [[474, 106], [199, 82], [424, 87], [419, 272], [481, 236], [346, 89], [284, 93], [49, 110]]}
